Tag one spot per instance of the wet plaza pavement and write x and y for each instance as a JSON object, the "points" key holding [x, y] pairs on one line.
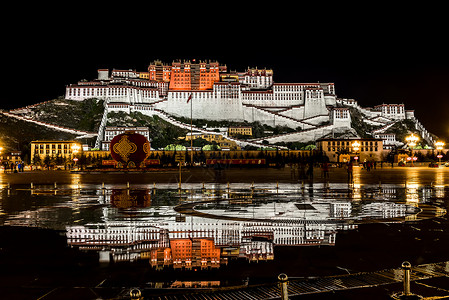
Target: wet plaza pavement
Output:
{"points": [[97, 236]]}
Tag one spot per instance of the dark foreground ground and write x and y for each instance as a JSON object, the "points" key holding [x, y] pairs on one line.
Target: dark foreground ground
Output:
{"points": [[37, 264]]}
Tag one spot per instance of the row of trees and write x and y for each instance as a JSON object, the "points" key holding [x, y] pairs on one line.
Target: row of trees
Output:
{"points": [[167, 158], [271, 157], [50, 161]]}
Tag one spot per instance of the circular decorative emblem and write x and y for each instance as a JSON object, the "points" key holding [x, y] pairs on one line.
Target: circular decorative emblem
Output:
{"points": [[130, 198], [130, 149]]}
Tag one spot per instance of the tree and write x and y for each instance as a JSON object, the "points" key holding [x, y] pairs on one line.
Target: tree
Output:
{"points": [[82, 160], [310, 147], [36, 160], [47, 161], [199, 142], [59, 159]]}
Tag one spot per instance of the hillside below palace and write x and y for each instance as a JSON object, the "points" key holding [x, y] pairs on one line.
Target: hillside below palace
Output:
{"points": [[208, 90]]}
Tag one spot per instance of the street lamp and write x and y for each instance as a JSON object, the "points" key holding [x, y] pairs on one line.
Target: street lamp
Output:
{"points": [[75, 149], [439, 146], [356, 148], [411, 142]]}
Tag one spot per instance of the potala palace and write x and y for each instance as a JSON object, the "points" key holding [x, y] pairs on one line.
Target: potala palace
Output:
{"points": [[208, 90]]}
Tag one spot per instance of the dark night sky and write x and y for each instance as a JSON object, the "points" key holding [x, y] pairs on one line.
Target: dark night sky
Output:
{"points": [[373, 55]]}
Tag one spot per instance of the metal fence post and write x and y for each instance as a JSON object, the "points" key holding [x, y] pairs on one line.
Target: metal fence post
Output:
{"points": [[135, 294], [283, 282], [406, 266]]}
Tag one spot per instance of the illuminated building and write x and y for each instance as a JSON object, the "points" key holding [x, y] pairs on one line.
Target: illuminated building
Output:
{"points": [[194, 76], [191, 253], [64, 149], [158, 71], [208, 243], [240, 130], [221, 141], [218, 94], [11, 157], [252, 95], [393, 111], [342, 150], [388, 140]]}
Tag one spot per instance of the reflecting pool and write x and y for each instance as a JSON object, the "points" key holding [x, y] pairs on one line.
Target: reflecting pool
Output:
{"points": [[208, 235]]}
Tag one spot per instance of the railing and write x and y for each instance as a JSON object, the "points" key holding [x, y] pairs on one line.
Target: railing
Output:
{"points": [[286, 286]]}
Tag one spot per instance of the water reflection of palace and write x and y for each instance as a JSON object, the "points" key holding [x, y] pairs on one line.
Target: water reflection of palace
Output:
{"points": [[218, 230], [197, 245], [143, 224]]}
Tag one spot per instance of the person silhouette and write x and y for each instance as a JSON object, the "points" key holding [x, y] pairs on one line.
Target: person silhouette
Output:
{"points": [[349, 170]]}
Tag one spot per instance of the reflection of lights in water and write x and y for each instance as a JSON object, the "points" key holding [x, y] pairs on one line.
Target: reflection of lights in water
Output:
{"points": [[384, 210], [411, 176], [439, 180], [356, 175], [356, 195], [356, 186], [426, 194], [411, 193], [76, 206], [75, 181], [439, 191], [222, 237], [238, 225], [439, 183]]}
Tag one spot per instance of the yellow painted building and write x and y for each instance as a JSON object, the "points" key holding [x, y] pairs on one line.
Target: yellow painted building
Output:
{"points": [[343, 150], [11, 157], [64, 149], [241, 130], [217, 138], [144, 75]]}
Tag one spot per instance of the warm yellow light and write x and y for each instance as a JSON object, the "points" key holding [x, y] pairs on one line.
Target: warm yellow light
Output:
{"points": [[75, 148], [411, 140], [439, 145], [356, 146]]}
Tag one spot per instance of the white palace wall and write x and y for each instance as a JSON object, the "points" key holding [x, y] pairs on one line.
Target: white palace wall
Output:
{"points": [[227, 100], [311, 107], [264, 116], [314, 104], [303, 136], [296, 112], [204, 106], [113, 93]]}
